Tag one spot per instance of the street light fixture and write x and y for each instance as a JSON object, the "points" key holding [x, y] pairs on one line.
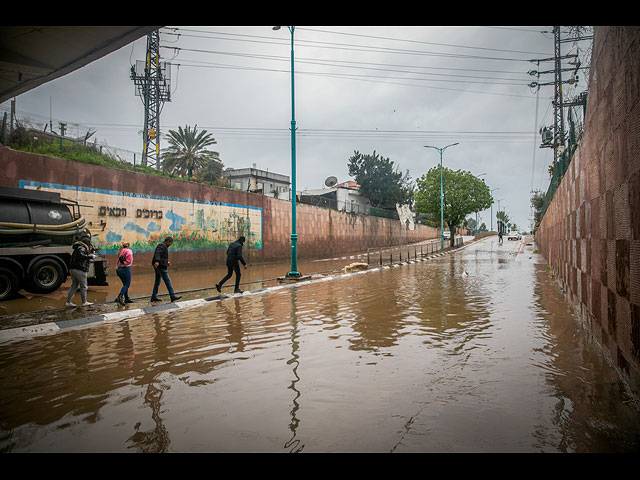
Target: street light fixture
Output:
{"points": [[441, 193], [293, 274]]}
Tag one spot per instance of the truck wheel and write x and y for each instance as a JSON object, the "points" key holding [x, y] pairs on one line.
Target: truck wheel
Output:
{"points": [[9, 284], [45, 276]]}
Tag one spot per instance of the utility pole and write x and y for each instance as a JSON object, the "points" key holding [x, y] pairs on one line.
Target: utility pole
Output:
{"points": [[152, 80], [558, 121], [556, 139]]}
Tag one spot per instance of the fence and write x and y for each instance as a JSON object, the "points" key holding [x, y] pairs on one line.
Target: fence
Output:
{"points": [[43, 127], [332, 203], [576, 130], [385, 256]]}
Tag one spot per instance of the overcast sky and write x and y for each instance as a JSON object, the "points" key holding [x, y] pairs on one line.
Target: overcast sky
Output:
{"points": [[392, 90]]}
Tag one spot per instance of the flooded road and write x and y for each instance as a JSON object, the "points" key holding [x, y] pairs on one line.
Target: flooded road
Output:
{"points": [[473, 351]]}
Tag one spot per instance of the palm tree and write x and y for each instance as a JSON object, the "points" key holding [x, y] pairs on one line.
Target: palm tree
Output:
{"points": [[187, 151]]}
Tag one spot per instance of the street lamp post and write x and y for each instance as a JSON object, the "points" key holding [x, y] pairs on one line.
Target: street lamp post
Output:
{"points": [[478, 177], [441, 193], [294, 237], [491, 193]]}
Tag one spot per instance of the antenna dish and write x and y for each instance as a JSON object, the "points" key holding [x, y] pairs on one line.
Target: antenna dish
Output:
{"points": [[330, 181]]}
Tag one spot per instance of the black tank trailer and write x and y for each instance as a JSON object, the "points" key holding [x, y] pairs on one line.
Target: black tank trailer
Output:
{"points": [[37, 230]]}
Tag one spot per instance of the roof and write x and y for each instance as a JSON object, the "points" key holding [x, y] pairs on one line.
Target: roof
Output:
{"points": [[31, 56], [347, 184]]}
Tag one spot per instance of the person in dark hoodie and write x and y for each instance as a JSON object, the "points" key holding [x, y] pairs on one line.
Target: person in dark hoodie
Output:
{"points": [[234, 255], [161, 264], [79, 267]]}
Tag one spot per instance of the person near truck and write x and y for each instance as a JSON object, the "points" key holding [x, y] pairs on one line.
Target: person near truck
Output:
{"points": [[234, 255], [161, 264], [123, 270], [78, 269]]}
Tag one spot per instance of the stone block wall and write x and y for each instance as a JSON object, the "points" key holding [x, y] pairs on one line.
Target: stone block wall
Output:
{"points": [[590, 234]]}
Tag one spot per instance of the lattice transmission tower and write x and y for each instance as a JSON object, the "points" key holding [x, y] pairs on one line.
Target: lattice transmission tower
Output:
{"points": [[152, 80]]}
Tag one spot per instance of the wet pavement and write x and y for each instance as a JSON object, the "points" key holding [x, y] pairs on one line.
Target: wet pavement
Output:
{"points": [[34, 309], [474, 350]]}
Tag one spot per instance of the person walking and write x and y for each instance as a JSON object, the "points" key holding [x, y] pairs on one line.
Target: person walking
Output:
{"points": [[234, 255], [161, 264], [500, 237], [78, 269], [123, 270]]}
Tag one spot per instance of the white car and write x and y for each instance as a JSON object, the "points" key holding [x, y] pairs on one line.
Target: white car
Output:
{"points": [[514, 236]]}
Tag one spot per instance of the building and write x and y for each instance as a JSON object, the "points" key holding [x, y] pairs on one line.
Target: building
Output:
{"points": [[343, 196], [255, 180]]}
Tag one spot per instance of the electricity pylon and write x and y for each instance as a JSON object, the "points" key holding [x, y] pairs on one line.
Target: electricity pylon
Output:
{"points": [[152, 79]]}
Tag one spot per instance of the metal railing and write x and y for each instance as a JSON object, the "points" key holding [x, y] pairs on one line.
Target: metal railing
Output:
{"points": [[389, 255]]}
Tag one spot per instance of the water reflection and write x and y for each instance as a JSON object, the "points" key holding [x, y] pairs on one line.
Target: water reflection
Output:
{"points": [[472, 352]]}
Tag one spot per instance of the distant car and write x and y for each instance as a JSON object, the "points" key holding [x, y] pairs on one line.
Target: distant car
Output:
{"points": [[514, 236], [447, 234]]}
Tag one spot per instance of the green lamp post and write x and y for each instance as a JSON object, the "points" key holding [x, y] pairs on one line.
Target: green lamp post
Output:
{"points": [[441, 193], [294, 237]]}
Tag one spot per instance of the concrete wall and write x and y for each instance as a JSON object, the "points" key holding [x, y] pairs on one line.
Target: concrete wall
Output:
{"points": [[590, 234], [142, 209]]}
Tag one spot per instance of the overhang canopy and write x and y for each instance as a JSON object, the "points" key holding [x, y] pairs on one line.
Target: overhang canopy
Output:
{"points": [[31, 56]]}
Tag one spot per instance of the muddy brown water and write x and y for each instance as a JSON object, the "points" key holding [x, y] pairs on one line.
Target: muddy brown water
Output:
{"points": [[192, 282], [475, 351]]}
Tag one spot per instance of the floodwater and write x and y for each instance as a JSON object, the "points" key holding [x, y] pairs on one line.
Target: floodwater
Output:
{"points": [[474, 351], [194, 280]]}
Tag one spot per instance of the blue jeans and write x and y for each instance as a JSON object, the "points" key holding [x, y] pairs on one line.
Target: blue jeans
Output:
{"points": [[164, 274], [125, 275]]}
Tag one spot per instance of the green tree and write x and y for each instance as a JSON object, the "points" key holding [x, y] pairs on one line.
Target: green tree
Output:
{"points": [[187, 152], [503, 221], [211, 171], [537, 201], [463, 194], [379, 180]]}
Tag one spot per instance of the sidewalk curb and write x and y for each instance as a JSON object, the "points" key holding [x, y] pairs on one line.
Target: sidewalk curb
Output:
{"points": [[22, 333]]}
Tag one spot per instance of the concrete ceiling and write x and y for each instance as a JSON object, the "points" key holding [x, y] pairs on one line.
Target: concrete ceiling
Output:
{"points": [[31, 56]]}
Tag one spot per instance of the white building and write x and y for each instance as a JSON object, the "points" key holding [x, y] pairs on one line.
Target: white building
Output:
{"points": [[255, 180], [343, 196]]}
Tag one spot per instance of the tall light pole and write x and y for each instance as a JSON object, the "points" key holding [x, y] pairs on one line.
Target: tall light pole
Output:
{"points": [[478, 177], [491, 193], [441, 193], [294, 237]]}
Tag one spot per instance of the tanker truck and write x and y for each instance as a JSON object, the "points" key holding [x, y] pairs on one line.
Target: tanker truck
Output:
{"points": [[37, 230]]}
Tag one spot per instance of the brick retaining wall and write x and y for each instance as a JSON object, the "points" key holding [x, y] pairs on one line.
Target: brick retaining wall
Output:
{"points": [[322, 233], [590, 234]]}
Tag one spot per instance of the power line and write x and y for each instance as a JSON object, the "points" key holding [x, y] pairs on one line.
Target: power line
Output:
{"points": [[354, 64], [300, 42], [416, 41]]}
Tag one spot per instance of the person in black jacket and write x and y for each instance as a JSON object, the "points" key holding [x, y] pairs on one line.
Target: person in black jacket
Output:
{"points": [[78, 269], [234, 255], [161, 264]]}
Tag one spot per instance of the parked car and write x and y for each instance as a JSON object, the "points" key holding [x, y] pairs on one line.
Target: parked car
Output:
{"points": [[514, 236], [447, 234]]}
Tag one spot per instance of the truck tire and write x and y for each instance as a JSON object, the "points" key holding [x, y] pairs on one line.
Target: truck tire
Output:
{"points": [[45, 276], [9, 284]]}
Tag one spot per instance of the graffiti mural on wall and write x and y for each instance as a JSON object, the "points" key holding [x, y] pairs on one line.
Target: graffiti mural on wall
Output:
{"points": [[145, 220]]}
